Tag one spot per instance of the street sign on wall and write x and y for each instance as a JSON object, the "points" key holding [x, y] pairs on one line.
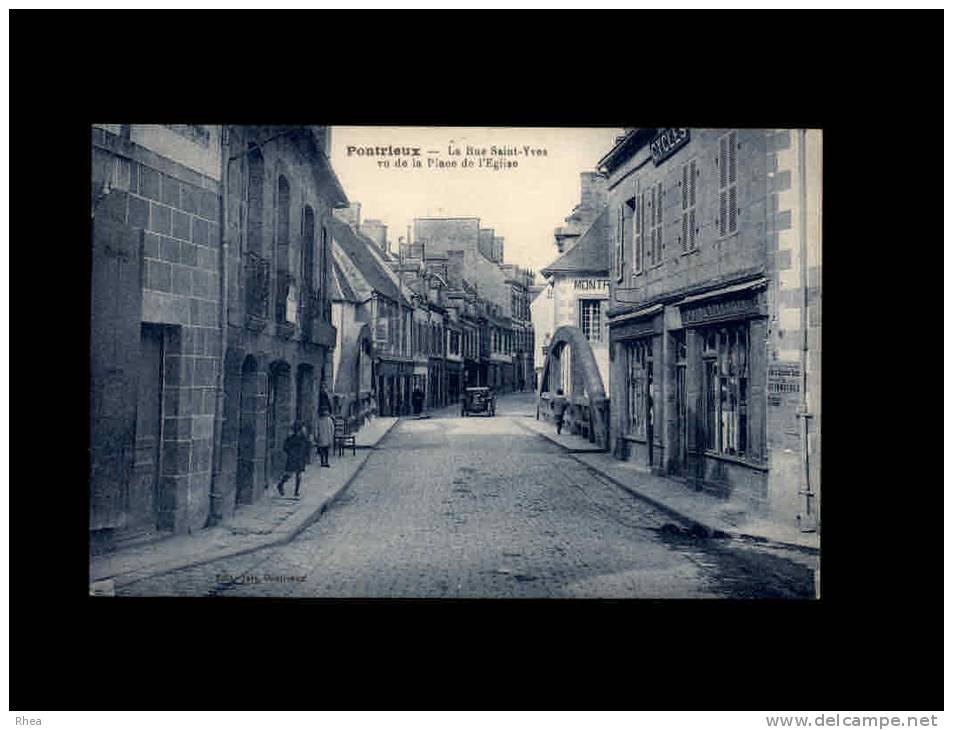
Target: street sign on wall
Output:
{"points": [[667, 142]]}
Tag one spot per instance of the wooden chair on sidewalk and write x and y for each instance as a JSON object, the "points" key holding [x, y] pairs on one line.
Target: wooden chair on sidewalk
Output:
{"points": [[342, 438]]}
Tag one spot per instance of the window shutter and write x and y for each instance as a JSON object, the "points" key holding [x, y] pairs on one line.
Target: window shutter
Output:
{"points": [[732, 144], [722, 212], [732, 209], [654, 206], [620, 242], [692, 174], [685, 231], [639, 236], [723, 162], [691, 230], [685, 184]]}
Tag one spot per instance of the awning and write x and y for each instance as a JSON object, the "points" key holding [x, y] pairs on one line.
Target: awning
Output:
{"points": [[638, 314], [756, 284]]}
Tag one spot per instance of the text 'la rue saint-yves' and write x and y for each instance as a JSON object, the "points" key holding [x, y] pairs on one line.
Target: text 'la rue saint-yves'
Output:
{"points": [[493, 156]]}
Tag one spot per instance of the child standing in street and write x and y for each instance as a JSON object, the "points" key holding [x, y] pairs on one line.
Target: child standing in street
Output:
{"points": [[559, 409], [296, 450], [325, 435]]}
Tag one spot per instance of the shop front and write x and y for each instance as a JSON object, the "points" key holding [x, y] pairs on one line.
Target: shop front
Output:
{"points": [[394, 386], [718, 346], [636, 342], [471, 373], [689, 380], [435, 395], [455, 381]]}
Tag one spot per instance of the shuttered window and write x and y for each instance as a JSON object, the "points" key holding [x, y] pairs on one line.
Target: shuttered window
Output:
{"points": [[638, 218], [727, 162], [619, 245], [654, 214], [688, 185]]}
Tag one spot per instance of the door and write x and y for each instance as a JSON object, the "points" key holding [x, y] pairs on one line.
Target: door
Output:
{"points": [[141, 501], [680, 455], [681, 419]]}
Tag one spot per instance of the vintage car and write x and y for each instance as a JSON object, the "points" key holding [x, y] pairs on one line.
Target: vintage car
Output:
{"points": [[478, 400]]}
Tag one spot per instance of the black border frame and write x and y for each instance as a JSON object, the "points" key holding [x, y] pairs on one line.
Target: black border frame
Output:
{"points": [[869, 80]]}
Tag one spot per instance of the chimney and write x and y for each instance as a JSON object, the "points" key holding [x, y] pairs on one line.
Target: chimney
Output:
{"points": [[485, 239], [350, 215], [376, 231], [455, 269], [497, 249], [592, 194]]}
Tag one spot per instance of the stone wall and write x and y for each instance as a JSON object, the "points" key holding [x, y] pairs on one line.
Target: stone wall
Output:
{"points": [[176, 209], [271, 361]]}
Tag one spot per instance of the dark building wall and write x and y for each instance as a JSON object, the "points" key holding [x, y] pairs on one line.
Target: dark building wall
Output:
{"points": [[176, 209], [114, 360]]}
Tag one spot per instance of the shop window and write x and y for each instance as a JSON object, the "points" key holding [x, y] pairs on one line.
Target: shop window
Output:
{"points": [[689, 176], [726, 390], [727, 162], [638, 360], [590, 321]]}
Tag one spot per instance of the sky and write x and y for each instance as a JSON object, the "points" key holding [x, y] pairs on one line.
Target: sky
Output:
{"points": [[524, 204]]}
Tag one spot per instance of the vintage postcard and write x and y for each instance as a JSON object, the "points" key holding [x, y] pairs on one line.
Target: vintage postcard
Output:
{"points": [[433, 362]]}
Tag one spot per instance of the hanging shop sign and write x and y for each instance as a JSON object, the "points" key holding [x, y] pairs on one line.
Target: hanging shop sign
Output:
{"points": [[720, 309], [644, 327], [667, 142]]}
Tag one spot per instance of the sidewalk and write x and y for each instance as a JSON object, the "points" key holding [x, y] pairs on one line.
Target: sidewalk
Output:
{"points": [[273, 520], [674, 497]]}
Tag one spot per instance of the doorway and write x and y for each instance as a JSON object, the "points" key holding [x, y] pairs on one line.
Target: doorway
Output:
{"points": [[247, 431], [279, 417], [142, 496], [304, 401], [680, 455]]}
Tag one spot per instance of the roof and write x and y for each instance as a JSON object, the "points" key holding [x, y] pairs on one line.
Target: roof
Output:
{"points": [[357, 248], [590, 254], [341, 290], [625, 146]]}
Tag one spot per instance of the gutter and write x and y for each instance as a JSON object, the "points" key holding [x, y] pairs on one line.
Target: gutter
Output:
{"points": [[223, 335], [810, 524]]}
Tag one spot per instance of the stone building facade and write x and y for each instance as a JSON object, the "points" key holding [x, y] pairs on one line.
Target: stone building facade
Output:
{"points": [[573, 312], [502, 338], [156, 314], [353, 391], [385, 306], [714, 315], [279, 192]]}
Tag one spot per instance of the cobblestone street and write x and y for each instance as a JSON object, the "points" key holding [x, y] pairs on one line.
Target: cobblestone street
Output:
{"points": [[478, 507]]}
